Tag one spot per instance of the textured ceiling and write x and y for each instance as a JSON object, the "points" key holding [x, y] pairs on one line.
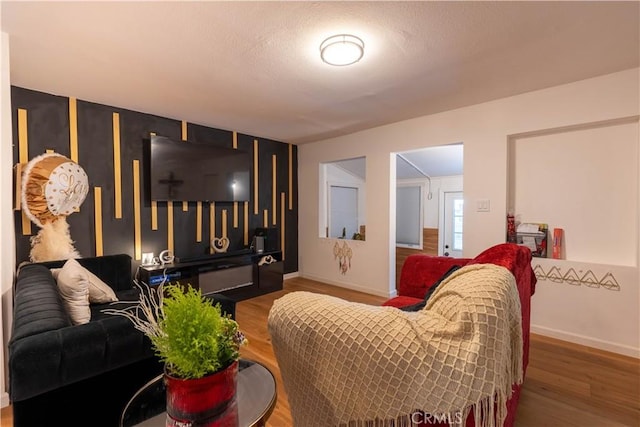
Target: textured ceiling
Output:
{"points": [[254, 67]]}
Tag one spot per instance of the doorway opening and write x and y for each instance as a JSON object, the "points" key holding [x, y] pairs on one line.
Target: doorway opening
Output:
{"points": [[429, 202]]}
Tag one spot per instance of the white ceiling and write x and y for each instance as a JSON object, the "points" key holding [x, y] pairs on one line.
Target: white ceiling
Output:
{"points": [[443, 160], [254, 67]]}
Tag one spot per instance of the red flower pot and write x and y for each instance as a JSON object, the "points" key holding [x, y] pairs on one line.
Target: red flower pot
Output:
{"points": [[209, 401]]}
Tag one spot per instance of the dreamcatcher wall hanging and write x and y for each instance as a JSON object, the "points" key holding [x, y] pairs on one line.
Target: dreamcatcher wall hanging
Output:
{"points": [[343, 254], [53, 187]]}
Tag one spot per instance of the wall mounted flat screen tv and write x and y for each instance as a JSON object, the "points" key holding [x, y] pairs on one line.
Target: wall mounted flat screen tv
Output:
{"points": [[194, 171]]}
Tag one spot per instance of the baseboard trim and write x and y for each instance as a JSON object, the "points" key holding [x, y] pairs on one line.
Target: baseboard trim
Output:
{"points": [[587, 341], [349, 286], [291, 275], [4, 400]]}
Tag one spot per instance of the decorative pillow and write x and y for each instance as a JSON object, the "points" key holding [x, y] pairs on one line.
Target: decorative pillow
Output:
{"points": [[79, 287], [74, 290], [99, 292], [419, 306]]}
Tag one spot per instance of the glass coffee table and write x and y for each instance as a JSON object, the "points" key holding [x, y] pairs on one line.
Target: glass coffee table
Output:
{"points": [[255, 395]]}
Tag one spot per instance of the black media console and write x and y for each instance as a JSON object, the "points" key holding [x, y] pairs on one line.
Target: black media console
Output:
{"points": [[238, 275]]}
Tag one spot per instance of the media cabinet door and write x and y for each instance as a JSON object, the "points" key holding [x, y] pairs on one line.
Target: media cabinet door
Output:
{"points": [[270, 276], [225, 279]]}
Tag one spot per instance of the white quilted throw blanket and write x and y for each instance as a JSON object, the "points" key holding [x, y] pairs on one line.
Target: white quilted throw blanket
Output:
{"points": [[346, 363]]}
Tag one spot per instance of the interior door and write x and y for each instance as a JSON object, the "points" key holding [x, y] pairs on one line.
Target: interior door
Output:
{"points": [[453, 218]]}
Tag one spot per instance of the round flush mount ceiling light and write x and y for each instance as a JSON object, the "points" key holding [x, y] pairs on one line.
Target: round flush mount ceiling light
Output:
{"points": [[342, 49]]}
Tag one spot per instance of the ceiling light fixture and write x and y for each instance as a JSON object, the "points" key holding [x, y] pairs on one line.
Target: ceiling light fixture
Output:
{"points": [[342, 49]]}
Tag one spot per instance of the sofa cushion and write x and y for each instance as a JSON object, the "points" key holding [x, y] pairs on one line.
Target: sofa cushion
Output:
{"points": [[401, 301], [99, 292], [74, 290], [421, 271], [420, 305]]}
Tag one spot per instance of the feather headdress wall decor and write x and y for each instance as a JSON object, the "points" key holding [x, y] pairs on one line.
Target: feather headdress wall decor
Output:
{"points": [[53, 187]]}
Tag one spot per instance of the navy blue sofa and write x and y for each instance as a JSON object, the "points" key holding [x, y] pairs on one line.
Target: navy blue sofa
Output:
{"points": [[61, 374]]}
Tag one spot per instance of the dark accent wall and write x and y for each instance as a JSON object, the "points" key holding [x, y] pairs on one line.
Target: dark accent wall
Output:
{"points": [[48, 128]]}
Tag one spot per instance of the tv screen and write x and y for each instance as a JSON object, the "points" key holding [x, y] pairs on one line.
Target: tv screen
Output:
{"points": [[190, 171]]}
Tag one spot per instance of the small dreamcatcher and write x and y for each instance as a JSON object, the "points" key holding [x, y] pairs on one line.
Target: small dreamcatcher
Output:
{"points": [[343, 254]]}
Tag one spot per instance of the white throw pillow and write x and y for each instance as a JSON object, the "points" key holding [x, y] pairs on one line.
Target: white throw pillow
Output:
{"points": [[99, 292], [79, 287], [73, 285]]}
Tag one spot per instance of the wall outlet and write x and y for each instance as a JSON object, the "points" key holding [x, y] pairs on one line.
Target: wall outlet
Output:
{"points": [[483, 205]]}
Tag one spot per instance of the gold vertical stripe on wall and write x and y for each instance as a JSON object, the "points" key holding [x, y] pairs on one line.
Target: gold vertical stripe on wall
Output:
{"points": [[246, 223], [212, 223], [224, 223], [18, 190], [170, 226], [117, 170], [97, 215], [198, 221], [235, 139], [265, 218], [23, 150], [26, 224], [137, 235], [185, 204], [282, 215], [154, 215], [235, 214], [49, 151], [73, 129], [255, 177], [23, 139], [154, 206], [274, 170], [290, 177], [212, 220]]}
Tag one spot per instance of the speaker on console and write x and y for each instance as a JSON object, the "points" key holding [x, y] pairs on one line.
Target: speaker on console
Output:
{"points": [[271, 238], [258, 244]]}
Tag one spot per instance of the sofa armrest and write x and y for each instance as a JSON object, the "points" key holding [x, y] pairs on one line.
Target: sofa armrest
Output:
{"points": [[37, 305]]}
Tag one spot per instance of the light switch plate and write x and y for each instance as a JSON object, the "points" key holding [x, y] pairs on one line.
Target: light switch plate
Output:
{"points": [[483, 205]]}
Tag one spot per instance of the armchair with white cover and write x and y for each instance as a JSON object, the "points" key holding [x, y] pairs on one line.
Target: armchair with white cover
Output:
{"points": [[458, 360]]}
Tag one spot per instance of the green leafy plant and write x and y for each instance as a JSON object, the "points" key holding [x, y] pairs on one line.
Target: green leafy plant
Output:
{"points": [[189, 333]]}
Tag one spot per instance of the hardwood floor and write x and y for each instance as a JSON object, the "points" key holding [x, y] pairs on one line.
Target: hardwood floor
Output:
{"points": [[6, 417], [566, 384]]}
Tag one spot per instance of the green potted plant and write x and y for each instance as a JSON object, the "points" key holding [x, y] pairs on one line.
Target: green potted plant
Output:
{"points": [[200, 348]]}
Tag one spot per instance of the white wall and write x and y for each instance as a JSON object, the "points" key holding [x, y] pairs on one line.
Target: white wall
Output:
{"points": [[7, 248], [592, 174], [485, 130]]}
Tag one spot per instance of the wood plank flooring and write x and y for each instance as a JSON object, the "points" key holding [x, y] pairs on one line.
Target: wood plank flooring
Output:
{"points": [[566, 384]]}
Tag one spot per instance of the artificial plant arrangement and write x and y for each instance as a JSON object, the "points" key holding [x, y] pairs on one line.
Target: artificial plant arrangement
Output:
{"points": [[188, 333]]}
